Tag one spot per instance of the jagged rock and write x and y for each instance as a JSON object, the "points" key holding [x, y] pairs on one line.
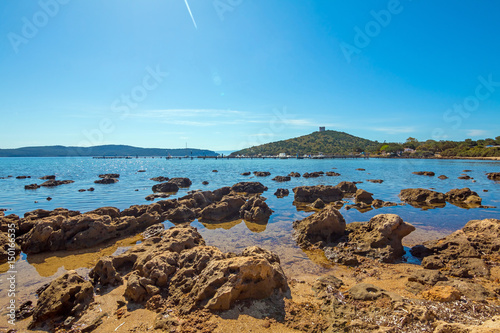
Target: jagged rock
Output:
{"points": [[261, 173], [31, 187], [281, 192], [494, 176], [422, 197], [324, 285], [179, 181], [255, 210], [180, 214], [152, 197], [110, 175], [68, 295], [312, 174], [424, 173], [225, 210], [294, 174], [347, 188], [380, 238], [443, 177], [52, 182], [54, 233], [106, 180], [113, 212], [48, 177], [160, 179], [376, 181], [165, 188], [178, 263], [281, 178], [363, 196], [464, 197], [332, 174], [320, 228], [318, 204], [463, 252], [248, 187], [312, 193]]}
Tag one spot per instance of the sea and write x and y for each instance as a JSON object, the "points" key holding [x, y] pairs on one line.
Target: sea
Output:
{"points": [[135, 184]]}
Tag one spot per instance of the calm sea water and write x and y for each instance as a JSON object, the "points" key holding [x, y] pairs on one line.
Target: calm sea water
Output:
{"points": [[397, 175], [277, 235]]}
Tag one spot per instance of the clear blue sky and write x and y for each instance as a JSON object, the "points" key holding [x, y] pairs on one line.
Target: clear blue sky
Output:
{"points": [[244, 72]]}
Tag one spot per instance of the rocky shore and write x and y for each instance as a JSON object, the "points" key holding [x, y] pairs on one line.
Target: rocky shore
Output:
{"points": [[172, 281]]}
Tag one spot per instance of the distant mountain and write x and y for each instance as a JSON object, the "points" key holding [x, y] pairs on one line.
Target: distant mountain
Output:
{"points": [[327, 142], [106, 150]]}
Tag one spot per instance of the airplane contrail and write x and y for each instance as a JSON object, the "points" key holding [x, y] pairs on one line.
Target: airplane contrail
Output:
{"points": [[189, 10]]}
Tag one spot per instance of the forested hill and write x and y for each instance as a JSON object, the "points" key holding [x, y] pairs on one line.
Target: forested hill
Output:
{"points": [[106, 150], [327, 142]]}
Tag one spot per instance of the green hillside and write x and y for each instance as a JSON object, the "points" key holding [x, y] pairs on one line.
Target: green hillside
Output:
{"points": [[327, 142]]}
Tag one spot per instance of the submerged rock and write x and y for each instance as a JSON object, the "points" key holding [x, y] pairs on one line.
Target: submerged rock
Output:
{"points": [[110, 175], [180, 182], [261, 173], [424, 173], [281, 192], [332, 174], [375, 181], [494, 176], [52, 182], [248, 187], [160, 179], [419, 196], [165, 188], [48, 177], [106, 180], [282, 179], [310, 194]]}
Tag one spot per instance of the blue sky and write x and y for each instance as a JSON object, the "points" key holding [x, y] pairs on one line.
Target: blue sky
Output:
{"points": [[75, 72]]}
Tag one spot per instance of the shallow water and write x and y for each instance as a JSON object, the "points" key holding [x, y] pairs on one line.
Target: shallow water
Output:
{"points": [[234, 236]]}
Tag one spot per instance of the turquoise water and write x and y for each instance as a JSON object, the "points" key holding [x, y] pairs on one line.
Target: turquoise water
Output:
{"points": [[397, 174], [35, 270]]}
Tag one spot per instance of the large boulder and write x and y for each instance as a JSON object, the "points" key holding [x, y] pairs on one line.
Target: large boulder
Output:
{"points": [[165, 188], [465, 252], [494, 176], [255, 210], [363, 196], [248, 187], [347, 188], [422, 197], [68, 295], [320, 228], [380, 238], [181, 182], [225, 210], [464, 198], [178, 264], [310, 194]]}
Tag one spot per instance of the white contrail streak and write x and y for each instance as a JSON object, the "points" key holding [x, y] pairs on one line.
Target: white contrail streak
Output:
{"points": [[189, 10]]}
